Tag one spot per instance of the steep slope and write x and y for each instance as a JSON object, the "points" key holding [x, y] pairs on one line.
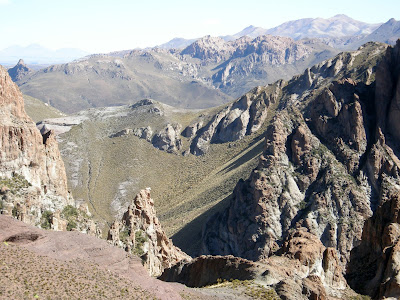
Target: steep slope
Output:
{"points": [[29, 160], [205, 74], [19, 71], [125, 139], [139, 231], [387, 33], [329, 164], [33, 182], [37, 110]]}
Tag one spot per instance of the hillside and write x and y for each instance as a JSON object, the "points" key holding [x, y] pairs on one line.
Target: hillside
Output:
{"points": [[207, 73], [37, 110], [229, 140], [72, 265], [112, 139]]}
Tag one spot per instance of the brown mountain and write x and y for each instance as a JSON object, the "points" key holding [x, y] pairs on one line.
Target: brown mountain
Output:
{"points": [[330, 166], [208, 73]]}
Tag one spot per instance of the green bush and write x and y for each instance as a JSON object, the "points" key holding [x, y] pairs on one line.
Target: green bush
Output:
{"points": [[15, 183], [124, 234], [46, 219], [140, 239], [71, 225], [69, 211]]}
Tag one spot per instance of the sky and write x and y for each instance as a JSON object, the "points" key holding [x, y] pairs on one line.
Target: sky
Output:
{"points": [[99, 26]]}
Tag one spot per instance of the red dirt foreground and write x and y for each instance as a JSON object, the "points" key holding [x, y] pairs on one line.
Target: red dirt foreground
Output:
{"points": [[42, 264]]}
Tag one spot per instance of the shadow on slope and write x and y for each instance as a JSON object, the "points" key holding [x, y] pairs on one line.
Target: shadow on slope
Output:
{"points": [[189, 237]]}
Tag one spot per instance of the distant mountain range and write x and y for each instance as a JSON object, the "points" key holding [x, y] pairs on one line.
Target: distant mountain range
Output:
{"points": [[340, 31], [37, 54], [207, 73]]}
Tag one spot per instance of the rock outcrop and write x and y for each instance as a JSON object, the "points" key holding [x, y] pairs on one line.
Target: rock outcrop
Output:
{"points": [[32, 175], [303, 269], [19, 71], [374, 267], [243, 117], [206, 270], [168, 139], [330, 158], [140, 232]]}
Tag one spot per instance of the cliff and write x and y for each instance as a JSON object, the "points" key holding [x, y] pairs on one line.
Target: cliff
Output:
{"points": [[330, 163], [33, 182]]}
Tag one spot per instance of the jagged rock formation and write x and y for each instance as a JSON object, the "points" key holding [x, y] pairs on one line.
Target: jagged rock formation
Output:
{"points": [[143, 133], [373, 268], [32, 175], [304, 269], [243, 117], [374, 265], [140, 232], [168, 138], [330, 155], [19, 71], [206, 270]]}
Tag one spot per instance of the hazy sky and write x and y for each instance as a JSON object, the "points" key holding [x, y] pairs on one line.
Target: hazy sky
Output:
{"points": [[105, 25]]}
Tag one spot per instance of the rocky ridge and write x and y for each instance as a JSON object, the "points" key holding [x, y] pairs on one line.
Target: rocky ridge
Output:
{"points": [[329, 157], [140, 232], [305, 269]]}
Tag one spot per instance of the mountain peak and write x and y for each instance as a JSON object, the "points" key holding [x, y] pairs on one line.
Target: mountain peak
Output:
{"points": [[19, 71], [340, 16], [21, 63]]}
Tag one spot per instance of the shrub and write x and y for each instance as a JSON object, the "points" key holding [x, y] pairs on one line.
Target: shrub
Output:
{"points": [[140, 239], [46, 219], [69, 211]]}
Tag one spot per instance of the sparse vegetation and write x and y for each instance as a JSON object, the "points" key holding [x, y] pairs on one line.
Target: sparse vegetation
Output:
{"points": [[15, 184], [25, 275], [46, 219], [248, 288], [140, 239], [73, 216]]}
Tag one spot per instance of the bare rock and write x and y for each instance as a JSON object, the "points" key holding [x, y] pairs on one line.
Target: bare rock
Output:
{"points": [[30, 162], [168, 139], [374, 267], [143, 133], [191, 130], [19, 71], [206, 270], [243, 117], [123, 132], [140, 232]]}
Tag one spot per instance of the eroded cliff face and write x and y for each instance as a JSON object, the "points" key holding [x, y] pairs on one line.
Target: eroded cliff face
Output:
{"points": [[305, 269], [33, 180], [330, 154], [140, 232], [243, 117]]}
